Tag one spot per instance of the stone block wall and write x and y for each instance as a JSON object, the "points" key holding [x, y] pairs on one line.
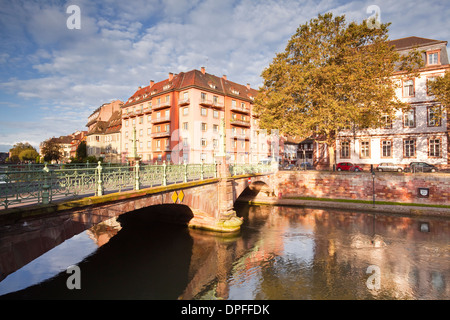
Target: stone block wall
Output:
{"points": [[389, 186]]}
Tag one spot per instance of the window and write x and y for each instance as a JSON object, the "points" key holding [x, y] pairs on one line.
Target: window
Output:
{"points": [[215, 114], [203, 142], [149, 131], [158, 115], [233, 103], [387, 121], [434, 116], [433, 57], [365, 149], [215, 128], [158, 144], [345, 149], [141, 132], [167, 114], [185, 111], [141, 120], [386, 148], [167, 126], [203, 96], [408, 88], [126, 123], [215, 143], [204, 126], [429, 80], [203, 111], [126, 146], [149, 118], [149, 144], [126, 134], [185, 142], [141, 145], [158, 128], [409, 118], [185, 126], [434, 147], [409, 148]]}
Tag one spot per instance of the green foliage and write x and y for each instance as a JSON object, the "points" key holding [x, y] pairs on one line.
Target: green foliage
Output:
{"points": [[440, 88], [332, 76], [22, 152]]}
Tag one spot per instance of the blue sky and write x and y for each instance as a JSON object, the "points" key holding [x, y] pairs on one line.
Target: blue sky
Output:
{"points": [[52, 78]]}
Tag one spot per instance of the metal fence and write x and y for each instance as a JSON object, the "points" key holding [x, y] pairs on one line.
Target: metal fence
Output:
{"points": [[26, 185]]}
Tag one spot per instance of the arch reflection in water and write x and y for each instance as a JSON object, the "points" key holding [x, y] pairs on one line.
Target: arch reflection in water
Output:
{"points": [[280, 253]]}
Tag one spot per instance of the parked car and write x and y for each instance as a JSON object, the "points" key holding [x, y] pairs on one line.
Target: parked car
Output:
{"points": [[386, 166], [306, 166], [289, 167], [422, 167], [348, 166]]}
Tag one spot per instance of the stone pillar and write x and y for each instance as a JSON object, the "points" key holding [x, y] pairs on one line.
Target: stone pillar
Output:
{"points": [[226, 214]]}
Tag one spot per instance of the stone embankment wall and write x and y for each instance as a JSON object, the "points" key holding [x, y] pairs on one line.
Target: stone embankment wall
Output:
{"points": [[395, 187]]}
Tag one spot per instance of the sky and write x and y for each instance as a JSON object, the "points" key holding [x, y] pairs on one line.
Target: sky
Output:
{"points": [[58, 65]]}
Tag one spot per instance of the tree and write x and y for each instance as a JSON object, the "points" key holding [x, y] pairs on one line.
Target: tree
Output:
{"points": [[22, 151], [440, 88], [51, 150], [332, 76], [28, 155], [81, 153]]}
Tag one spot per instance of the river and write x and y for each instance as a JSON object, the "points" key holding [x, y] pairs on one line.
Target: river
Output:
{"points": [[280, 253]]}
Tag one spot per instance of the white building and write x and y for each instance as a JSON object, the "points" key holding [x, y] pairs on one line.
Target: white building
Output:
{"points": [[413, 135]]}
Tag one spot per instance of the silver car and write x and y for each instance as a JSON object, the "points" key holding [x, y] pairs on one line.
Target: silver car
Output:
{"points": [[386, 166]]}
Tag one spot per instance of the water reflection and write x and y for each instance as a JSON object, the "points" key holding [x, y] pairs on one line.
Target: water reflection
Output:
{"points": [[280, 253]]}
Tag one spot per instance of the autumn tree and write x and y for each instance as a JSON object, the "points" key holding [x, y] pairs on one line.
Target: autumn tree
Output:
{"points": [[51, 150], [332, 76], [440, 88]]}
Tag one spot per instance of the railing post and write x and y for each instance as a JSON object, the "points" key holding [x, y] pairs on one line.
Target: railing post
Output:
{"points": [[45, 187], [99, 179], [164, 182], [201, 171], [185, 171], [215, 168], [137, 185]]}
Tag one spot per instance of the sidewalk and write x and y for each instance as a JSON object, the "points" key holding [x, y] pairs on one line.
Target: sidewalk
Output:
{"points": [[366, 207]]}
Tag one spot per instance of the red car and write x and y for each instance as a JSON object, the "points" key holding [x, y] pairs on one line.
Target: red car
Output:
{"points": [[348, 166]]}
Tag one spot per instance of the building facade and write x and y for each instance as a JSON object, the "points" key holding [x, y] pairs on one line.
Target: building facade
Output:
{"points": [[103, 139], [415, 134], [179, 120]]}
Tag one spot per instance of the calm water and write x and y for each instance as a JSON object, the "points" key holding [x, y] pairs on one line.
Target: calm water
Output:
{"points": [[280, 253]]}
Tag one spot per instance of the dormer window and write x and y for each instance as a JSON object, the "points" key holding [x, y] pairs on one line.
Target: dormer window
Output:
{"points": [[166, 87], [433, 57], [234, 91]]}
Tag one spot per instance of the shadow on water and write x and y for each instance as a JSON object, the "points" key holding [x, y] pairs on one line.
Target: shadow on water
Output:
{"points": [[146, 259]]}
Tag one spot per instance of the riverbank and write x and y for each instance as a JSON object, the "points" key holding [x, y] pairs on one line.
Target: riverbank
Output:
{"points": [[398, 208]]}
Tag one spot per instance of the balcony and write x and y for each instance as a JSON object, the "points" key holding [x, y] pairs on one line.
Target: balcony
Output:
{"points": [[206, 102], [243, 123], [162, 105], [240, 109], [160, 134], [241, 136], [161, 119], [218, 105], [184, 102]]}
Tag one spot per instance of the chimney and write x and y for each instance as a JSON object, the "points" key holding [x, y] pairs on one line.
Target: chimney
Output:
{"points": [[203, 70], [224, 77], [170, 76], [152, 83], [248, 86]]}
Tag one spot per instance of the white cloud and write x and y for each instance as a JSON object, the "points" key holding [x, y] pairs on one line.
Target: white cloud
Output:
{"points": [[124, 44]]}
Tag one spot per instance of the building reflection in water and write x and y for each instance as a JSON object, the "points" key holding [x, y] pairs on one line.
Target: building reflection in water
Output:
{"points": [[293, 253]]}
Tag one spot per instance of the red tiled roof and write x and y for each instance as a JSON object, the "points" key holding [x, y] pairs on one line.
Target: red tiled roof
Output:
{"points": [[195, 78]]}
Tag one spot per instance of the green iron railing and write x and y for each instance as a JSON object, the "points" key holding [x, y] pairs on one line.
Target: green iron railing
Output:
{"points": [[47, 184]]}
